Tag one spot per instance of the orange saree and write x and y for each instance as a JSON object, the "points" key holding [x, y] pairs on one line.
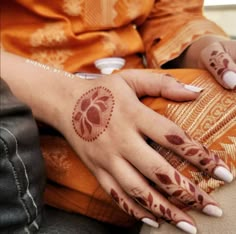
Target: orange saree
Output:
{"points": [[71, 35]]}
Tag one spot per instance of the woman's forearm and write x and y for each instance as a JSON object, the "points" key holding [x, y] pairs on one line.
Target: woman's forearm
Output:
{"points": [[41, 87]]}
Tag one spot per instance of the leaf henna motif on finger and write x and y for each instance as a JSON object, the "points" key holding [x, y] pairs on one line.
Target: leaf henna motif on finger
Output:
{"points": [[115, 196], [177, 178], [92, 113], [181, 189], [123, 204], [174, 139], [146, 202], [198, 153], [164, 179], [218, 62]]}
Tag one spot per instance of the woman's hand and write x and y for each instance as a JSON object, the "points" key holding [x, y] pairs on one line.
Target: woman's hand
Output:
{"points": [[107, 125], [215, 54]]}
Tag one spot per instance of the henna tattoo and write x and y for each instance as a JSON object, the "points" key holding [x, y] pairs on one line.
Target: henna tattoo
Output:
{"points": [[191, 187], [200, 199], [199, 154], [164, 179], [122, 204], [115, 196], [218, 62], [177, 193], [180, 189], [166, 212], [174, 139], [92, 113], [146, 202], [177, 178]]}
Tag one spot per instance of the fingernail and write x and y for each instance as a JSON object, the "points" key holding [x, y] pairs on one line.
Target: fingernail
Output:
{"points": [[230, 79], [187, 227], [193, 88], [223, 174], [150, 222], [212, 211]]}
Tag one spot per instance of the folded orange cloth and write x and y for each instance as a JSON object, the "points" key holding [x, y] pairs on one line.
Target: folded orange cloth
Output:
{"points": [[211, 119]]}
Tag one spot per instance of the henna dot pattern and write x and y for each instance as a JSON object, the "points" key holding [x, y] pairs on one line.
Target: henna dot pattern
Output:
{"points": [[92, 113]]}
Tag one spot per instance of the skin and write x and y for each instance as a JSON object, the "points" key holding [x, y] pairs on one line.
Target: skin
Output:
{"points": [[134, 155], [106, 125], [213, 53]]}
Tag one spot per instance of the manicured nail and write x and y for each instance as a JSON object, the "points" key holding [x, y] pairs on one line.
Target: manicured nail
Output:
{"points": [[212, 211], [223, 174], [150, 222], [230, 79], [193, 88], [187, 227]]}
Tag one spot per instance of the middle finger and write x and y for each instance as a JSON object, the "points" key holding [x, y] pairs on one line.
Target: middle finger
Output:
{"points": [[169, 135]]}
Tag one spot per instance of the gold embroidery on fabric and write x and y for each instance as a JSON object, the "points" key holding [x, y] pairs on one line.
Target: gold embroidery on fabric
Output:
{"points": [[50, 35], [112, 44], [133, 7], [162, 54], [230, 148], [72, 7], [52, 57], [100, 12], [207, 121]]}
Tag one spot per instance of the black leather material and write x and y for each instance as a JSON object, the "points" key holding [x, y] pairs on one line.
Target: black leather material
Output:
{"points": [[21, 167]]}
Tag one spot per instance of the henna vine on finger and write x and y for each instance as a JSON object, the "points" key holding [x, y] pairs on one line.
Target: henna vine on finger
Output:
{"points": [[199, 154], [145, 201], [122, 204], [218, 62], [92, 113], [182, 190]]}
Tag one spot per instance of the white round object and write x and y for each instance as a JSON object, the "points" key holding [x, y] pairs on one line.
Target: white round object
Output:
{"points": [[108, 65]]}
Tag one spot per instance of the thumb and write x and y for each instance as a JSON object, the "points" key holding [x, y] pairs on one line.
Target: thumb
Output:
{"points": [[147, 83]]}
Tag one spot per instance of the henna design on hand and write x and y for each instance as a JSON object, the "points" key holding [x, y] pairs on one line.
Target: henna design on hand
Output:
{"points": [[122, 204], [146, 202], [218, 62], [199, 154], [182, 190], [92, 113]]}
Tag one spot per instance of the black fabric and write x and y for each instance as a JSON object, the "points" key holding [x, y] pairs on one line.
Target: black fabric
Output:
{"points": [[21, 167]]}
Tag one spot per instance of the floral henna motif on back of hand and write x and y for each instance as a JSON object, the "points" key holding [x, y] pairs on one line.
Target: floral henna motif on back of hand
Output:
{"points": [[92, 113]]}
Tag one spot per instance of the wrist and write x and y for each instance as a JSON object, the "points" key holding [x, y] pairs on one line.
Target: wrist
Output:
{"points": [[47, 91]]}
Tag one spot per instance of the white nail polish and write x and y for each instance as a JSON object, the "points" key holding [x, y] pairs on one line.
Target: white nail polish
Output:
{"points": [[212, 211], [187, 227], [223, 174], [150, 222], [193, 88], [230, 79]]}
